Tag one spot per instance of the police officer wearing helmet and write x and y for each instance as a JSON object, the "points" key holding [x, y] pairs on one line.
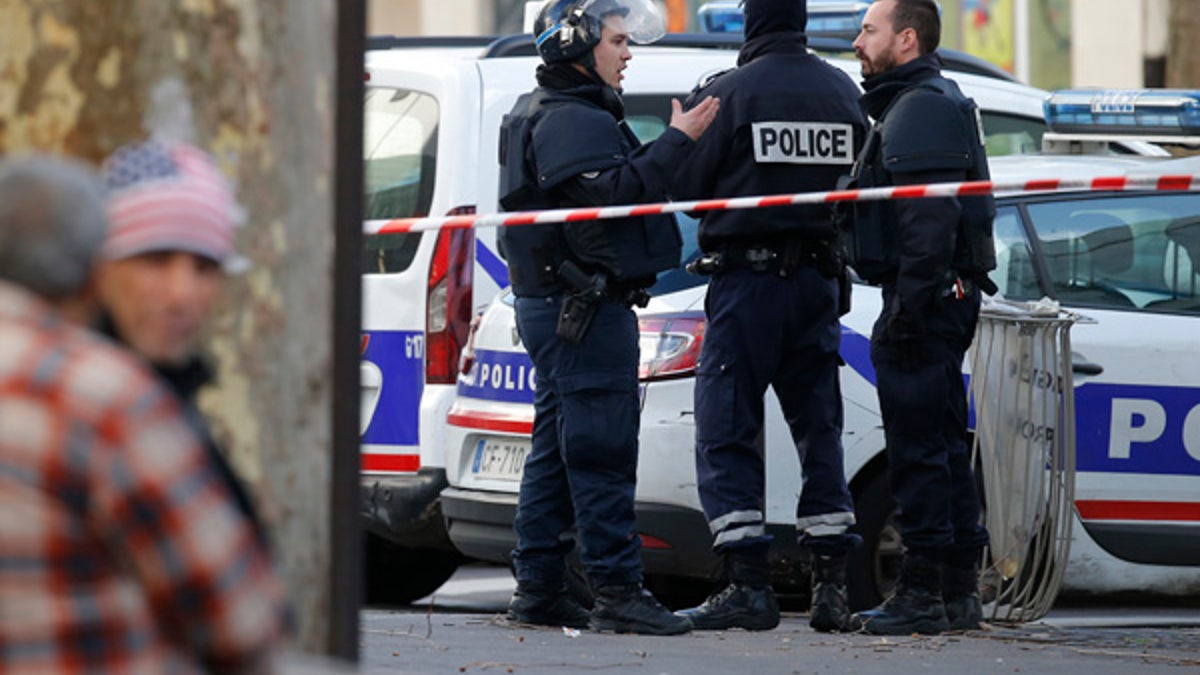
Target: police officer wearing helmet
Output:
{"points": [[932, 257], [790, 122], [564, 145]]}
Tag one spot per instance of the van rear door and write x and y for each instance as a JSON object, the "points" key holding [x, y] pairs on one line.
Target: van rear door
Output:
{"points": [[400, 154]]}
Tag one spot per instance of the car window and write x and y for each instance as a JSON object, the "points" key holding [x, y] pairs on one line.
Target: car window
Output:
{"points": [[1125, 252], [1014, 275], [1011, 134], [400, 160], [646, 127], [647, 118]]}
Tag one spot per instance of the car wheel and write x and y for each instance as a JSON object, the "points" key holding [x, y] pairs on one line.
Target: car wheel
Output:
{"points": [[398, 575], [874, 567]]}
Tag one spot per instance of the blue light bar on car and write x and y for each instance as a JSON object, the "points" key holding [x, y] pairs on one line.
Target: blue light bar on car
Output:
{"points": [[721, 16], [826, 18], [1164, 112], [836, 19]]}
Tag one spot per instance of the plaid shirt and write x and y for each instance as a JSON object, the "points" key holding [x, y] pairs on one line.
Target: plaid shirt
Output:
{"points": [[120, 550]]}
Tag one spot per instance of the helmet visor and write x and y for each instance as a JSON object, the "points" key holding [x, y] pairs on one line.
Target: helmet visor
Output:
{"points": [[641, 19]]}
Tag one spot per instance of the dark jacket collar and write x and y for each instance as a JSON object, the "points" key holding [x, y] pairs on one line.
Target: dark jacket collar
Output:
{"points": [[772, 43], [880, 90], [565, 79], [184, 380], [773, 27]]}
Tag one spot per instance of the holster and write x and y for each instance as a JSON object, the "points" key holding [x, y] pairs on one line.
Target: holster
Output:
{"points": [[578, 310], [828, 259], [580, 305]]}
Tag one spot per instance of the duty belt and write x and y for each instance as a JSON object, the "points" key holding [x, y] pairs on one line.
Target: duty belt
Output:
{"points": [[596, 286], [633, 295], [782, 259]]}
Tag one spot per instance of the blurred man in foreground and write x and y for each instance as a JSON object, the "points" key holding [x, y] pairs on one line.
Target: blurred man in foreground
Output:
{"points": [[121, 549], [172, 218]]}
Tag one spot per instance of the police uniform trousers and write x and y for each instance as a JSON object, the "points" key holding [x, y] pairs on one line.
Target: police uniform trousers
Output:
{"points": [[924, 403], [768, 330], [582, 468]]}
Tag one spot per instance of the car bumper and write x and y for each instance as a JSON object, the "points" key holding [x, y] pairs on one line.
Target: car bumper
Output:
{"points": [[405, 509], [675, 539]]}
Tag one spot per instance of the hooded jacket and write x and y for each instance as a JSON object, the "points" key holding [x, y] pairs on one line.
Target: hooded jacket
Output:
{"points": [[789, 122]]}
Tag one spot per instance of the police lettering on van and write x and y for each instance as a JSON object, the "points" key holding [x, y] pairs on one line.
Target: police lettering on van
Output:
{"points": [[803, 143], [499, 376]]}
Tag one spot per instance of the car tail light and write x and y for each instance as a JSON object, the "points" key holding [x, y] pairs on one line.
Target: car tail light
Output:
{"points": [[670, 345], [448, 304], [650, 541], [467, 360]]}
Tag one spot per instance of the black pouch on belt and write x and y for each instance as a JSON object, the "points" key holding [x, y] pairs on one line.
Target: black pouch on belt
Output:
{"points": [[845, 291], [578, 310], [579, 307]]}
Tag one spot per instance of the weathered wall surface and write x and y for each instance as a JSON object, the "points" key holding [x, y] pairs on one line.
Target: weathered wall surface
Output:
{"points": [[1183, 51], [252, 82]]}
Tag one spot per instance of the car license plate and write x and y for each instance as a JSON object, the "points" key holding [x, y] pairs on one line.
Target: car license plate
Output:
{"points": [[502, 459]]}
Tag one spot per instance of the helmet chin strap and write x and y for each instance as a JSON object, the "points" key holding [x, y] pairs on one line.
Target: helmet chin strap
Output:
{"points": [[595, 75], [588, 63]]}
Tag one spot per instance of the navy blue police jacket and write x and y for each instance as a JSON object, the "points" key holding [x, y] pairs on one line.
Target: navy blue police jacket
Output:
{"points": [[568, 148], [922, 135], [789, 122]]}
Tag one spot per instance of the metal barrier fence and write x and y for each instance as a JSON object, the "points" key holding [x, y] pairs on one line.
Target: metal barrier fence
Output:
{"points": [[1023, 396]]}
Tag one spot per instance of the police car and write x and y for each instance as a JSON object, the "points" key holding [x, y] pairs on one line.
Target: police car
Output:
{"points": [[1130, 260], [433, 109]]}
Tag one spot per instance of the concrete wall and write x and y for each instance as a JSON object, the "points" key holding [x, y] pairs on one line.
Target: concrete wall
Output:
{"points": [[1112, 39], [1106, 43], [429, 17]]}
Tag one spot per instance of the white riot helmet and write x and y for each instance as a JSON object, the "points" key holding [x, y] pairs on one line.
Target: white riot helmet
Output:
{"points": [[567, 30]]}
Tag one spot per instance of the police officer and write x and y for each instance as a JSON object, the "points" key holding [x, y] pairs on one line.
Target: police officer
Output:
{"points": [[565, 144], [932, 257], [790, 123]]}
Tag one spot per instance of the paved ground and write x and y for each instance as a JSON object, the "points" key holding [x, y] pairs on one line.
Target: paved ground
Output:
{"points": [[461, 629], [431, 643]]}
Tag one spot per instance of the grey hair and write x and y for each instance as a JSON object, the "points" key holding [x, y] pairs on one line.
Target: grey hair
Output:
{"points": [[52, 223]]}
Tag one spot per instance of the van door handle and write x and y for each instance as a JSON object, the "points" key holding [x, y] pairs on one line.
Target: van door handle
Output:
{"points": [[1081, 366]]}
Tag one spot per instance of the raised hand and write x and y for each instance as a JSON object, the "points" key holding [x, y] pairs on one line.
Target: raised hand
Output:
{"points": [[695, 121]]}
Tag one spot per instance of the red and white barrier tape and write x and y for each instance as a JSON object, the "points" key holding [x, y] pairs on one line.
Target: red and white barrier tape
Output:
{"points": [[1177, 182]]}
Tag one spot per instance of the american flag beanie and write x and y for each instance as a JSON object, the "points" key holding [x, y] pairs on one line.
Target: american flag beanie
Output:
{"points": [[168, 196]]}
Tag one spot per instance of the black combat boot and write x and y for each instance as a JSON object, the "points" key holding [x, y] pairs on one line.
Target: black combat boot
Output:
{"points": [[916, 605], [747, 602], [960, 591], [546, 604], [830, 608], [629, 608]]}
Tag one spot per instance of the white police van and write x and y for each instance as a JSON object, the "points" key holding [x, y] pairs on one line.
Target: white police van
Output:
{"points": [[1131, 260], [433, 110]]}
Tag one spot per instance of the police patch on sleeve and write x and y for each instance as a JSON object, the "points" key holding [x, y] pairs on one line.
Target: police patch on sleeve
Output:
{"points": [[803, 143]]}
